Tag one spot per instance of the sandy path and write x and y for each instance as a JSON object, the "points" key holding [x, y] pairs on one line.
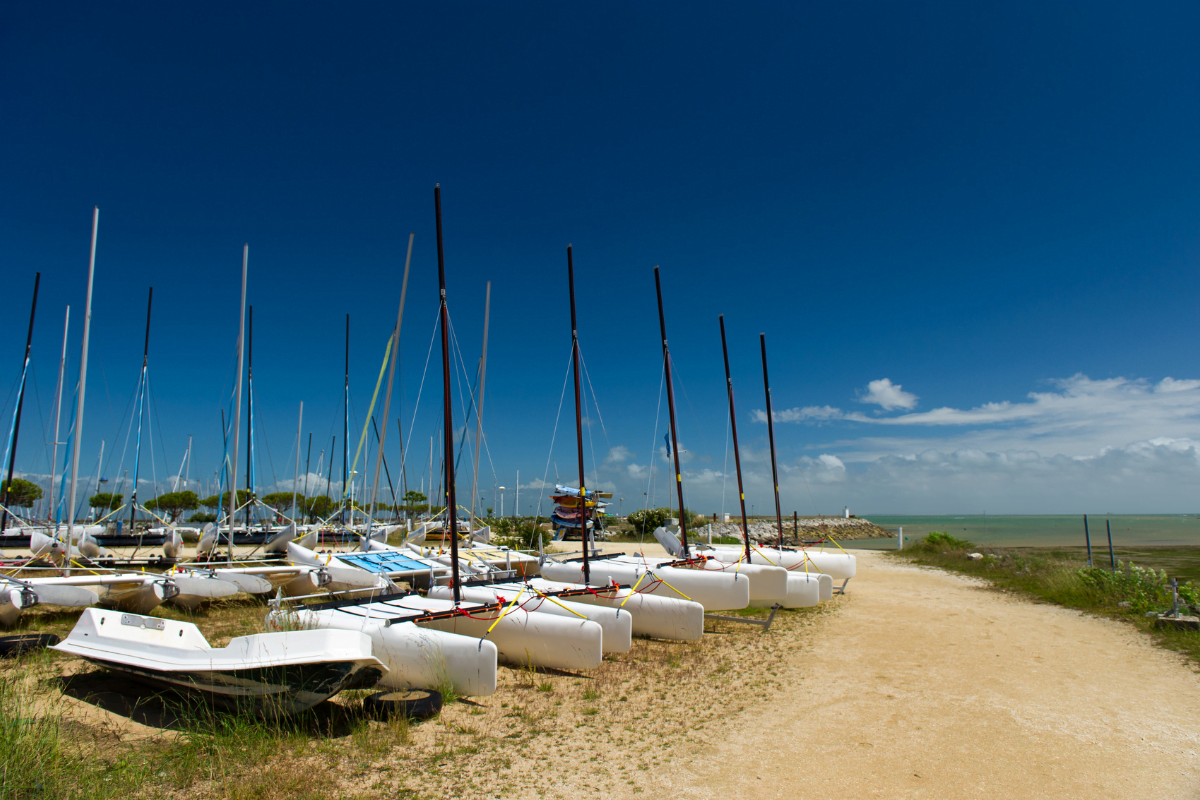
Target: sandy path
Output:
{"points": [[927, 684]]}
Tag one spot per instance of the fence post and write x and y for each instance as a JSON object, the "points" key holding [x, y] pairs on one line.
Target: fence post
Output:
{"points": [[1088, 536], [900, 539]]}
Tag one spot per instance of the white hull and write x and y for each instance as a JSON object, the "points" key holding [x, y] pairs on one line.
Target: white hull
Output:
{"points": [[716, 591], [288, 671], [416, 658], [616, 624]]}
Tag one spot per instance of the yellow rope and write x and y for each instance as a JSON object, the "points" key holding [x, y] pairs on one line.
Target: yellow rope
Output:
{"points": [[505, 612], [633, 591], [560, 605], [764, 555], [672, 588]]}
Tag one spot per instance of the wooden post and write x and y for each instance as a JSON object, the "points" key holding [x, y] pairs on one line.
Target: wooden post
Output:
{"points": [[1088, 537]]}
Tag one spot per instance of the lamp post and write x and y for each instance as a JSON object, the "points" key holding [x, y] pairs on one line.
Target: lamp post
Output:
{"points": [[501, 502]]}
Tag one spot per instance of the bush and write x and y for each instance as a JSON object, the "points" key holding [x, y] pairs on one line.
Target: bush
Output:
{"points": [[521, 535], [940, 540], [645, 521]]}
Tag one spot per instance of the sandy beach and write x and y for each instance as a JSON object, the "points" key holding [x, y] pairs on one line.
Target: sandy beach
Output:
{"points": [[926, 684]]}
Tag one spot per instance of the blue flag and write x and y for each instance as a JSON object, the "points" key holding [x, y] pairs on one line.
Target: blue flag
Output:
{"points": [[667, 439]]}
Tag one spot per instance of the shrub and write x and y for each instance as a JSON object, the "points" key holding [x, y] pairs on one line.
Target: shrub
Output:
{"points": [[941, 540], [519, 535], [645, 521]]}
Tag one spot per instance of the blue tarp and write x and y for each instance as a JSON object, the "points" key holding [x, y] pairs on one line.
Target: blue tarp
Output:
{"points": [[383, 562]]}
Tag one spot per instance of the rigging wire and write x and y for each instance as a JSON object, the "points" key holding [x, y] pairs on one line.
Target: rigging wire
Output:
{"points": [[421, 388], [557, 417]]}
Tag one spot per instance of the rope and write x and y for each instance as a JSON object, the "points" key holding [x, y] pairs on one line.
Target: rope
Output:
{"points": [[633, 591], [505, 612], [669, 586]]}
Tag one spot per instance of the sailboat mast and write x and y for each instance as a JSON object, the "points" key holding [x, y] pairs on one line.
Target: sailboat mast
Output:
{"points": [[346, 426], [296, 471], [387, 400], [87, 328], [329, 474], [16, 429], [662, 324], [137, 453], [237, 412], [249, 413], [448, 414], [62, 368], [737, 459], [583, 517], [762, 339], [487, 310]]}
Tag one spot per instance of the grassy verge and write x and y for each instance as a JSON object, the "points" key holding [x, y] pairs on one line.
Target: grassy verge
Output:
{"points": [[1130, 593]]}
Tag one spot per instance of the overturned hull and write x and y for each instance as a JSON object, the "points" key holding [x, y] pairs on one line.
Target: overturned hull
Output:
{"points": [[287, 672]]}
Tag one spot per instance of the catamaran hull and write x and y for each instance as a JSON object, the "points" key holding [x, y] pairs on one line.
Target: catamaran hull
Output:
{"points": [[838, 566], [716, 591], [521, 637], [285, 672], [416, 658], [652, 616], [616, 624]]}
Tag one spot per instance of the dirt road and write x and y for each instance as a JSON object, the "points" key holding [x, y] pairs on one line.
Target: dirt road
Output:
{"points": [[930, 685]]}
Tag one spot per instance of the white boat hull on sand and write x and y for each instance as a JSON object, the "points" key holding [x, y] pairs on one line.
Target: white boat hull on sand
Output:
{"points": [[716, 591], [839, 566], [288, 672], [522, 637], [416, 657], [616, 624], [653, 616]]}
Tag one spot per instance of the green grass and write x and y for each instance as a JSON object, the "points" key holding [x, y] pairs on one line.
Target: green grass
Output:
{"points": [[1062, 576]]}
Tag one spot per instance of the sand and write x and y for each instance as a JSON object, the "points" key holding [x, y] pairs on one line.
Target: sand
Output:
{"points": [[933, 685]]}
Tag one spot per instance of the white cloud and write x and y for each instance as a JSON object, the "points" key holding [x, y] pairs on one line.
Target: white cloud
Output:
{"points": [[817, 413], [888, 395], [619, 455]]}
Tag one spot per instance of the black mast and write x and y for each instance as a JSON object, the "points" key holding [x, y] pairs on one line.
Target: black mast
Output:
{"points": [[12, 456], [583, 532], [329, 474], [250, 415], [737, 459], [762, 340], [345, 427], [662, 324], [451, 508], [138, 456]]}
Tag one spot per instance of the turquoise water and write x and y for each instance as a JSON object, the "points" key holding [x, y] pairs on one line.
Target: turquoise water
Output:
{"points": [[1161, 530]]}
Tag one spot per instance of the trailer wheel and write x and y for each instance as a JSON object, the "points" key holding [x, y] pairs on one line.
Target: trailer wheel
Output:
{"points": [[13, 646], [414, 704]]}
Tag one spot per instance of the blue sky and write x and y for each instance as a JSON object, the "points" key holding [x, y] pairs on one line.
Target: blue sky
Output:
{"points": [[970, 236]]}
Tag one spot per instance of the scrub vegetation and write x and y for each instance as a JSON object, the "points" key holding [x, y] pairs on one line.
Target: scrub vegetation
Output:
{"points": [[1128, 592]]}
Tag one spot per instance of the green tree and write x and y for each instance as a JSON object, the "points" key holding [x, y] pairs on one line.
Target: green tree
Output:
{"points": [[413, 502], [221, 501], [105, 500], [20, 493], [281, 501], [320, 506], [175, 503]]}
